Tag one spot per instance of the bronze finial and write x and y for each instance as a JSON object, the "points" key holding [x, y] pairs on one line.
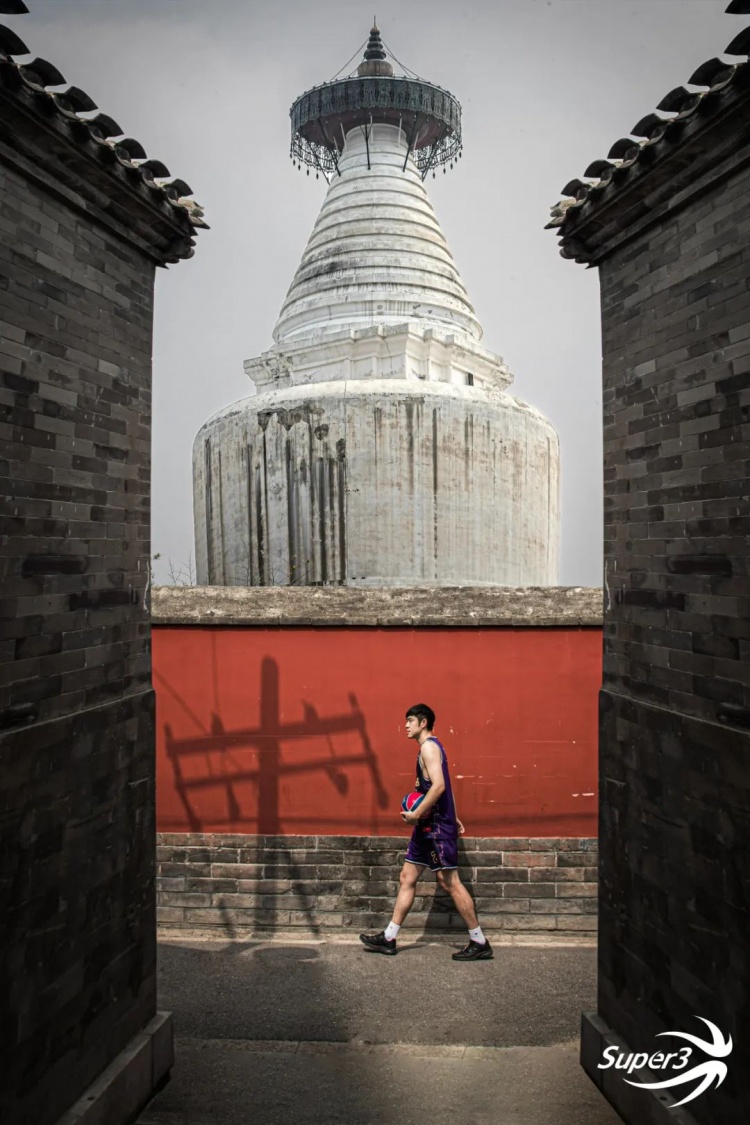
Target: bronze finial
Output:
{"points": [[374, 51]]}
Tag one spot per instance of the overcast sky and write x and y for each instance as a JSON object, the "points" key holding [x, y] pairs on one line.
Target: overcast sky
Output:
{"points": [[546, 86]]}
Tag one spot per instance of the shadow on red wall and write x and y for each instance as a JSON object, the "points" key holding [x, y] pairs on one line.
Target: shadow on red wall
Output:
{"points": [[300, 730], [265, 741]]}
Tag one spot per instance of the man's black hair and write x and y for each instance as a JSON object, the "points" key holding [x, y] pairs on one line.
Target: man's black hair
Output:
{"points": [[422, 711]]}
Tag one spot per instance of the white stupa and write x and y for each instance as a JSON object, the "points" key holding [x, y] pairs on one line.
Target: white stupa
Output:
{"points": [[379, 445]]}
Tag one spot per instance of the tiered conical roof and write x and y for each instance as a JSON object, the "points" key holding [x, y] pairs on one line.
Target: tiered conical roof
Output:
{"points": [[377, 254]]}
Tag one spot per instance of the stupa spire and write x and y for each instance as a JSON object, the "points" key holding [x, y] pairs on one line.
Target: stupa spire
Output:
{"points": [[377, 255], [374, 63], [374, 48]]}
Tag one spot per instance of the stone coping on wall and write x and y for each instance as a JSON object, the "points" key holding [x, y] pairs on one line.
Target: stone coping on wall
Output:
{"points": [[456, 606]]}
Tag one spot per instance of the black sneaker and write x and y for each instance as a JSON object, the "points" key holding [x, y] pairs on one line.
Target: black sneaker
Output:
{"points": [[379, 943], [475, 951]]}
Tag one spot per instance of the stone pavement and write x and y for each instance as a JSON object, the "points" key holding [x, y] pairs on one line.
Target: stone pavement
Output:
{"points": [[288, 1031]]}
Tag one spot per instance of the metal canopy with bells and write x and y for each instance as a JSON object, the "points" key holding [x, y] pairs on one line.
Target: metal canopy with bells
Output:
{"points": [[429, 115]]}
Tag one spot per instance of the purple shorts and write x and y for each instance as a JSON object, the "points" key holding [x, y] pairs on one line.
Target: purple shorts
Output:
{"points": [[434, 846]]}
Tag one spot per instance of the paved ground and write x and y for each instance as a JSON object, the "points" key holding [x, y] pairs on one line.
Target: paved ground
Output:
{"points": [[286, 1032]]}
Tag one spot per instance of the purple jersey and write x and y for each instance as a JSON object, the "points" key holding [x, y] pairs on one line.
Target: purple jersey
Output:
{"points": [[434, 841], [444, 810]]}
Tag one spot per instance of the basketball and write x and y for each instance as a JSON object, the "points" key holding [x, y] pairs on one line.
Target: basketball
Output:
{"points": [[412, 801]]}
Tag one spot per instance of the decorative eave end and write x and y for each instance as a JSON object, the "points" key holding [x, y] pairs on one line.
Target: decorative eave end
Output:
{"points": [[88, 156], [665, 152]]}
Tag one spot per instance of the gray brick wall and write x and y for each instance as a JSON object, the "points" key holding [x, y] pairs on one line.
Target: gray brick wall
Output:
{"points": [[255, 884], [76, 776], [675, 787], [81, 232], [676, 406], [668, 225], [75, 399]]}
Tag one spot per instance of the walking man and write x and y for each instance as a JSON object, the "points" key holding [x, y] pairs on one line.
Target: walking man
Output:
{"points": [[433, 844]]}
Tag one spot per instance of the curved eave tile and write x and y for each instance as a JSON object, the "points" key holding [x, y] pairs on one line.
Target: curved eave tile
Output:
{"points": [[631, 155], [23, 82]]}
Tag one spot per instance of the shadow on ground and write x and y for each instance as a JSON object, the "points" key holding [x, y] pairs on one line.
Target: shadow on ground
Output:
{"points": [[527, 996], [272, 1033]]}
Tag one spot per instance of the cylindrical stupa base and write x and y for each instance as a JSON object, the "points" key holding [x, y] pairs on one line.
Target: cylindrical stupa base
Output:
{"points": [[384, 483]]}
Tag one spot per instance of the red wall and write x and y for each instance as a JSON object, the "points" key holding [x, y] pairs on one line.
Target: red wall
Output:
{"points": [[300, 730]]}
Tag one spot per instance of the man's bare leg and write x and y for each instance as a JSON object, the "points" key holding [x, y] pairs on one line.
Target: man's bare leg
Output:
{"points": [[450, 881], [478, 949], [408, 879], [385, 942]]}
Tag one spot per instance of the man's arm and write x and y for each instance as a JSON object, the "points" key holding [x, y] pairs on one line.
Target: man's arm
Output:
{"points": [[433, 766]]}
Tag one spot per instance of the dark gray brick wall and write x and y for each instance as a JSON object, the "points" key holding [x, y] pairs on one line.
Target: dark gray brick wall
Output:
{"points": [[675, 705], [77, 977], [254, 884], [75, 370]]}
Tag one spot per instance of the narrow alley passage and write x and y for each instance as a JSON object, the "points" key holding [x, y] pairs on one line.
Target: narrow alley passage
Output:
{"points": [[321, 1033]]}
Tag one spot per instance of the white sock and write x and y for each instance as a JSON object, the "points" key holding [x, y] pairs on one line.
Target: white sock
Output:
{"points": [[391, 931], [477, 935]]}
